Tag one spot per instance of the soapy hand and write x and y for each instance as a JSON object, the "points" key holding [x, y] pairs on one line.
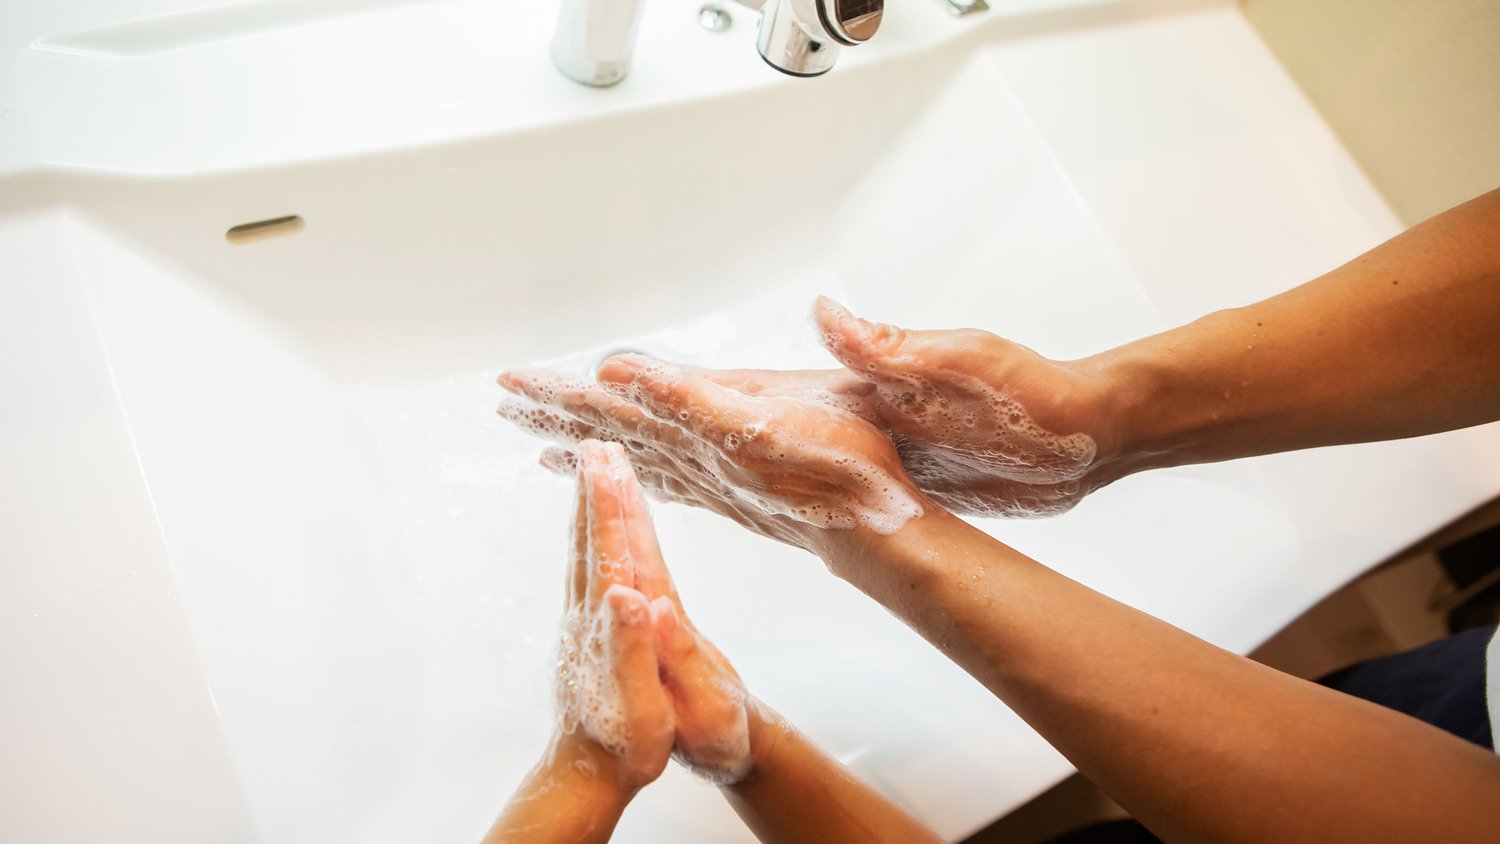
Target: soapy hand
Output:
{"points": [[610, 702], [708, 699], [782, 466], [983, 425]]}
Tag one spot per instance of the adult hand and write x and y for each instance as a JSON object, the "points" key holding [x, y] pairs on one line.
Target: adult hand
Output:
{"points": [[983, 425], [786, 468]]}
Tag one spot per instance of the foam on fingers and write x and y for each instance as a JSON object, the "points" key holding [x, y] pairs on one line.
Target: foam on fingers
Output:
{"points": [[586, 691], [763, 454], [962, 428], [630, 645], [577, 583], [606, 677], [674, 395], [609, 548], [958, 432], [654, 386], [855, 342], [542, 385], [541, 421], [651, 576], [634, 523], [559, 460]]}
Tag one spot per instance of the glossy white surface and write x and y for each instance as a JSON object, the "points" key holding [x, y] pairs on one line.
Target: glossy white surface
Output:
{"points": [[274, 572]]}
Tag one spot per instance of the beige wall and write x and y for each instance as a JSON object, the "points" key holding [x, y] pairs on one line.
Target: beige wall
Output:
{"points": [[1411, 86]]}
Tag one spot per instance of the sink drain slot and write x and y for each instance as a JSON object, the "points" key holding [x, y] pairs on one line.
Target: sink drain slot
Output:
{"points": [[262, 229]]}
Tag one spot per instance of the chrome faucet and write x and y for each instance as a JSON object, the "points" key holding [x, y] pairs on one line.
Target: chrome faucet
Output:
{"points": [[595, 38]]}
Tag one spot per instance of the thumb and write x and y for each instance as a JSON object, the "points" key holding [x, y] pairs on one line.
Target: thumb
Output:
{"points": [[881, 352], [675, 642], [629, 646], [874, 351]]}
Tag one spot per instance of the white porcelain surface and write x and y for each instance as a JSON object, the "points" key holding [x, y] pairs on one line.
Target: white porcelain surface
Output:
{"points": [[274, 572]]}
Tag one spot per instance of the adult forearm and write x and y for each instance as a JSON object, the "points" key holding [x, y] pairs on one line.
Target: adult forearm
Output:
{"points": [[797, 794], [1402, 341], [1200, 744]]}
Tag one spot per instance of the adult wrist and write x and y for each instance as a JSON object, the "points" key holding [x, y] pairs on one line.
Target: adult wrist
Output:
{"points": [[892, 568], [1137, 409]]}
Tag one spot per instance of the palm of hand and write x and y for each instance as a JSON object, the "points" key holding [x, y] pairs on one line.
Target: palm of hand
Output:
{"points": [[973, 416], [981, 425], [775, 464]]}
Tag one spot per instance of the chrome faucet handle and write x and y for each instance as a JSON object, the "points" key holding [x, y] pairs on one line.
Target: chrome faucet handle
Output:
{"points": [[802, 37], [793, 39], [713, 17], [852, 21]]}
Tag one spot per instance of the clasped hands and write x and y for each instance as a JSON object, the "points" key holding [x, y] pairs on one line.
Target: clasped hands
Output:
{"points": [[635, 683], [634, 679]]}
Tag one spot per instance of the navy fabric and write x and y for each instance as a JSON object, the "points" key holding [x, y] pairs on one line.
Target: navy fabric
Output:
{"points": [[1442, 683]]}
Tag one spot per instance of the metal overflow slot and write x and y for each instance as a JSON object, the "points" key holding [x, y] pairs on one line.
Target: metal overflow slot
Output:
{"points": [[262, 229]]}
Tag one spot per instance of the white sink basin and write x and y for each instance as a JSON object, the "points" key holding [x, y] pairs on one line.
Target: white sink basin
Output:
{"points": [[276, 572]]}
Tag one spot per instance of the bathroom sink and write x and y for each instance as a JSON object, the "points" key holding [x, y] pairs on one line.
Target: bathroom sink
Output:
{"points": [[279, 574]]}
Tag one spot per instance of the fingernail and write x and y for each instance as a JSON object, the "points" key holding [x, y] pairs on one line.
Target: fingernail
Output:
{"points": [[663, 616], [633, 613], [621, 369], [831, 307], [835, 321], [612, 462], [617, 458], [629, 606], [591, 452], [858, 323], [661, 608]]}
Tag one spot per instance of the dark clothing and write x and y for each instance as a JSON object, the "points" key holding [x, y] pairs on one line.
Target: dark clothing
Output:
{"points": [[1442, 683]]}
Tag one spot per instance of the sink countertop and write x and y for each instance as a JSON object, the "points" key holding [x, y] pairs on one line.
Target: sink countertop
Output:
{"points": [[273, 571]]}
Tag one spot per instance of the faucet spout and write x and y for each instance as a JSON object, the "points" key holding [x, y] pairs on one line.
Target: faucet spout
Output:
{"points": [[794, 40], [595, 40]]}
